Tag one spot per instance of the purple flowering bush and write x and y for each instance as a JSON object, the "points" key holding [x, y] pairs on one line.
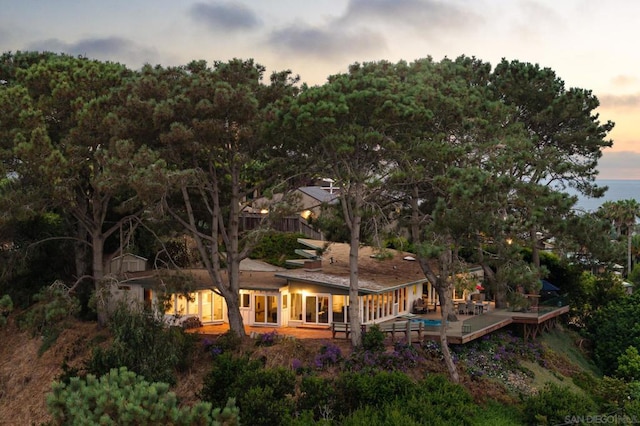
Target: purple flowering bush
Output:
{"points": [[330, 354], [498, 356], [401, 358], [267, 339]]}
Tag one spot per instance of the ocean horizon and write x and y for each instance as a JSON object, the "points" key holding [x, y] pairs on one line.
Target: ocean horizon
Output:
{"points": [[618, 189]]}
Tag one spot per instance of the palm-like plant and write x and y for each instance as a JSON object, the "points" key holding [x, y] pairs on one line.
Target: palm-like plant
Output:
{"points": [[623, 215]]}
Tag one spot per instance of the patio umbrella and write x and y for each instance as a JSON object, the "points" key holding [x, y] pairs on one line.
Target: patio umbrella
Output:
{"points": [[547, 286]]}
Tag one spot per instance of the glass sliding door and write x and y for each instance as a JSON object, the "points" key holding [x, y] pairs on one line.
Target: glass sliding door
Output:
{"points": [[206, 306], [316, 309], [265, 309]]}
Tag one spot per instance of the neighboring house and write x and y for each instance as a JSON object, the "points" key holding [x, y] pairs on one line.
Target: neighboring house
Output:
{"points": [[314, 295], [126, 263], [121, 266], [311, 199]]}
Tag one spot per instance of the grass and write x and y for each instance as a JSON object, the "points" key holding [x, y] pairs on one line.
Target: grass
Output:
{"points": [[562, 341], [496, 414], [543, 376]]}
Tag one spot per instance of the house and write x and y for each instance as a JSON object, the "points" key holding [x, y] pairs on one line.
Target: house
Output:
{"points": [[314, 295], [311, 199], [126, 262]]}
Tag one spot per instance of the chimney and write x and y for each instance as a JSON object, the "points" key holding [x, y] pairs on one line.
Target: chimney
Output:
{"points": [[313, 265]]}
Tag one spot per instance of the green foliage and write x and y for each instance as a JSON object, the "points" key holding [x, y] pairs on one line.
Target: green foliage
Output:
{"points": [[6, 307], [612, 329], [629, 365], [33, 263], [449, 402], [263, 395], [121, 397], [356, 390], [222, 381], [276, 247], [264, 407], [399, 243], [54, 305], [317, 395], [145, 345], [612, 393], [554, 403], [497, 414], [388, 415], [228, 341], [592, 293], [634, 276], [373, 339]]}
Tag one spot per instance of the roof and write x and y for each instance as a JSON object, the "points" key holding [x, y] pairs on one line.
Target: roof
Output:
{"points": [[377, 271], [254, 275], [129, 255], [319, 193]]}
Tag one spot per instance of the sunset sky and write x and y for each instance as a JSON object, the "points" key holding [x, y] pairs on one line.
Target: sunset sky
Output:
{"points": [[590, 44]]}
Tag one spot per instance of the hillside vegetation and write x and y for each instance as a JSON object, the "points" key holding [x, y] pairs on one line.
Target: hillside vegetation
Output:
{"points": [[309, 381]]}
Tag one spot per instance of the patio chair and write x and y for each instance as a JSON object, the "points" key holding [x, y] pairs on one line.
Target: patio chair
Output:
{"points": [[462, 308], [470, 307], [419, 307]]}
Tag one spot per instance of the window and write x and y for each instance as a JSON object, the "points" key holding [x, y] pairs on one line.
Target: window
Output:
{"points": [[295, 312], [284, 301], [245, 300]]}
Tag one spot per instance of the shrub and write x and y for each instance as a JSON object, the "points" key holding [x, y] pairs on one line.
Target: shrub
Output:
{"points": [[144, 345], [442, 402], [267, 339], [403, 357], [388, 415], [629, 365], [47, 317], [54, 304], [255, 387], [330, 354], [355, 390], [123, 398], [554, 404], [264, 407], [277, 247], [373, 339], [228, 341], [317, 395], [191, 322], [613, 329], [222, 381]]}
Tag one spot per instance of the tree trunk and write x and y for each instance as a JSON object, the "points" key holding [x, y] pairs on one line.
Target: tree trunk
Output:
{"points": [[446, 312], [535, 251], [629, 238], [101, 289], [354, 301], [499, 288], [233, 312]]}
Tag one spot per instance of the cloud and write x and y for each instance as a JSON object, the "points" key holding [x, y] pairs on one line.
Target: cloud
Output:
{"points": [[218, 16], [114, 49], [423, 15], [325, 43], [357, 33], [619, 165], [624, 80], [620, 101]]}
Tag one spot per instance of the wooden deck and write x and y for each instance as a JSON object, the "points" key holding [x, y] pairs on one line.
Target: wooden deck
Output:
{"points": [[472, 327], [467, 329]]}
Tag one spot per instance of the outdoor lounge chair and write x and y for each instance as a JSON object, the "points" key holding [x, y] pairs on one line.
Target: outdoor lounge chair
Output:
{"points": [[419, 307]]}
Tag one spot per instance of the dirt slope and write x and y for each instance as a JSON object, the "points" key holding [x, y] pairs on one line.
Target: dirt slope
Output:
{"points": [[25, 377]]}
